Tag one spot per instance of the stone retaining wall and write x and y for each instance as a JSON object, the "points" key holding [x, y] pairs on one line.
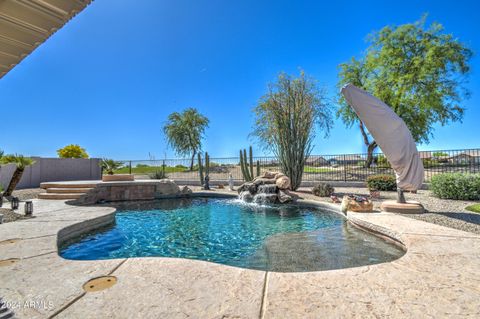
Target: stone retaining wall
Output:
{"points": [[128, 191]]}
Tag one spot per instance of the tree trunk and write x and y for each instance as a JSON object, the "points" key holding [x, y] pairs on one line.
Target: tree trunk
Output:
{"points": [[17, 176], [193, 158], [371, 147]]}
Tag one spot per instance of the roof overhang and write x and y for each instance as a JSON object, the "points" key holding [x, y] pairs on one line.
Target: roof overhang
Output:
{"points": [[25, 24]]}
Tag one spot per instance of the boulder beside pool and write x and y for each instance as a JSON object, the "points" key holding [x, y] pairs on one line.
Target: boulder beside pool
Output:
{"points": [[351, 204]]}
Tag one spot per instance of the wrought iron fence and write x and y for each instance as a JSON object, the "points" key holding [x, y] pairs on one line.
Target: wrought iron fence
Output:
{"points": [[344, 167]]}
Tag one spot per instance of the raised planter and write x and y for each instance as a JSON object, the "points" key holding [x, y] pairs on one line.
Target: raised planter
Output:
{"points": [[118, 178]]}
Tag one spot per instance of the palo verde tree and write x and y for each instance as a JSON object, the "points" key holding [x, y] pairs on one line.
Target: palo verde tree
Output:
{"points": [[184, 132], [285, 121], [418, 71], [21, 163], [72, 151]]}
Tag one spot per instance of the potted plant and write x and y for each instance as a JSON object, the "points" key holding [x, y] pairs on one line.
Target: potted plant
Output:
{"points": [[109, 166]]}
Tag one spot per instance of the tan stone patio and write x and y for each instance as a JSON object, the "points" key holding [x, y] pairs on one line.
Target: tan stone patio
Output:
{"points": [[437, 277]]}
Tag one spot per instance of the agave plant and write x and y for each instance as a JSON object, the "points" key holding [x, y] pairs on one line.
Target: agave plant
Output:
{"points": [[109, 166], [21, 162]]}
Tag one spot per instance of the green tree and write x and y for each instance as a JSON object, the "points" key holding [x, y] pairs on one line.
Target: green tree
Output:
{"points": [[185, 131], [285, 121], [419, 72], [72, 151], [21, 163]]}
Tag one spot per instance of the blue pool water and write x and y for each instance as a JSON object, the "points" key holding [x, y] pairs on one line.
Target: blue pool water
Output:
{"points": [[277, 238]]}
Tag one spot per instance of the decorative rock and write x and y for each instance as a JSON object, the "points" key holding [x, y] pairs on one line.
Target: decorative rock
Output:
{"points": [[284, 198], [263, 198], [351, 204], [278, 175], [186, 190], [167, 187], [283, 182], [268, 175], [252, 188], [261, 181]]}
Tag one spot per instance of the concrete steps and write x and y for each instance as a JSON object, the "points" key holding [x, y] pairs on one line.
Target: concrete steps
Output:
{"points": [[59, 196], [65, 190], [68, 185]]}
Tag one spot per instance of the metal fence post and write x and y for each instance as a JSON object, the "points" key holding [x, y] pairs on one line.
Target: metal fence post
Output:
{"points": [[130, 167], [344, 167]]}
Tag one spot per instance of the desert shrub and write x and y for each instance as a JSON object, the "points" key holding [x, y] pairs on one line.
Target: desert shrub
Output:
{"points": [[159, 174], [110, 166], [382, 182], [323, 190], [456, 186]]}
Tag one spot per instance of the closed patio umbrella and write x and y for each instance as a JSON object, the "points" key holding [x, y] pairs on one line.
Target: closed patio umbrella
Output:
{"points": [[392, 136]]}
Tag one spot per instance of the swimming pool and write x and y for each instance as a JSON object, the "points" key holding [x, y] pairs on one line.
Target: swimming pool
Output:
{"points": [[230, 232]]}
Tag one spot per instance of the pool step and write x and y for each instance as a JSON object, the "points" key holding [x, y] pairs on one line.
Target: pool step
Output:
{"points": [[60, 195]]}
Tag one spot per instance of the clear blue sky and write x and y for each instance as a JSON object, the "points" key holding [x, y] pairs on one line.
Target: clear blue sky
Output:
{"points": [[110, 77]]}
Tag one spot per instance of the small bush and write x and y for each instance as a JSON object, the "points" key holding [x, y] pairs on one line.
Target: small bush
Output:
{"points": [[382, 183], [456, 186], [323, 190]]}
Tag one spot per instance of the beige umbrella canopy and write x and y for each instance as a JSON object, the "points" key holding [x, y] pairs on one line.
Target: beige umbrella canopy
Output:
{"points": [[391, 134]]}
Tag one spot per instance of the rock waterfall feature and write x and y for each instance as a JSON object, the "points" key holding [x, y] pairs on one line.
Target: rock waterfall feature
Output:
{"points": [[268, 188]]}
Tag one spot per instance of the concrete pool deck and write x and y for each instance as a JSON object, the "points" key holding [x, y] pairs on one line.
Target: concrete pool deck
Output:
{"points": [[439, 276]]}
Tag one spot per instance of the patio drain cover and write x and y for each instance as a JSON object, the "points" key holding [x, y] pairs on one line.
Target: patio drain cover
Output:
{"points": [[10, 241], [100, 283], [8, 262]]}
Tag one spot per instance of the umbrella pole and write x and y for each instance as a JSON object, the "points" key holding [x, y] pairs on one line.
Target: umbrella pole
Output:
{"points": [[400, 196]]}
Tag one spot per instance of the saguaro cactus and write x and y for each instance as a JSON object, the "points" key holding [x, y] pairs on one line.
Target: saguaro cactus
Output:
{"points": [[246, 165], [207, 164], [250, 153], [200, 168]]}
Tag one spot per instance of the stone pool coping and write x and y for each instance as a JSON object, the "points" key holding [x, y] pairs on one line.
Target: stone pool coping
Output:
{"points": [[438, 276]]}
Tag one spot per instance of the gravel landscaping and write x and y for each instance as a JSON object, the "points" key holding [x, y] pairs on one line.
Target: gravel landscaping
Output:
{"points": [[449, 213], [23, 195], [29, 193]]}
